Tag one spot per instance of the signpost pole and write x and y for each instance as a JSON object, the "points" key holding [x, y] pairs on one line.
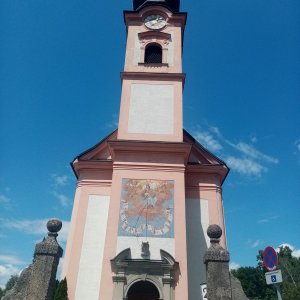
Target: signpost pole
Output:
{"points": [[271, 261], [278, 291]]}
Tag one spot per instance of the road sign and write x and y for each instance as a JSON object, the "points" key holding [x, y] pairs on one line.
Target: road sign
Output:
{"points": [[273, 277], [270, 258]]}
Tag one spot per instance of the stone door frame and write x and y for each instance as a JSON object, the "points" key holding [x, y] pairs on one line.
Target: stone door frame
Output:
{"points": [[162, 273]]}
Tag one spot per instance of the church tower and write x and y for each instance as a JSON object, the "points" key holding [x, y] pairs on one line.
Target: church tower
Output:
{"points": [[147, 192]]}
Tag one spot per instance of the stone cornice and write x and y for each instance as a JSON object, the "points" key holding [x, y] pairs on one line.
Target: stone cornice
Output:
{"points": [[153, 167], [174, 149], [136, 18], [155, 76], [96, 165], [95, 183], [154, 34], [220, 170]]}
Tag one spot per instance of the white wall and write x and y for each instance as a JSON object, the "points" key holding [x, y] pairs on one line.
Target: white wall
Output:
{"points": [[156, 244], [197, 244], [90, 266], [151, 109]]}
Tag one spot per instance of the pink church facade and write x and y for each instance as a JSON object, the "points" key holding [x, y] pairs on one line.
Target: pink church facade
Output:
{"points": [[145, 194]]}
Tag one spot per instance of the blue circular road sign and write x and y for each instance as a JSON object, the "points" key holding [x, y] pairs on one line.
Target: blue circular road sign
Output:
{"points": [[270, 258]]}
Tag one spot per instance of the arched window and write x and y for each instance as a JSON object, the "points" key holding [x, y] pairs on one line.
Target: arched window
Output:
{"points": [[143, 290], [153, 54]]}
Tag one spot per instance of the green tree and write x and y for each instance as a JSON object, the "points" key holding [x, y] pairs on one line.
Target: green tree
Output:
{"points": [[9, 285], [254, 283], [290, 291], [11, 282], [289, 265], [61, 291], [290, 268]]}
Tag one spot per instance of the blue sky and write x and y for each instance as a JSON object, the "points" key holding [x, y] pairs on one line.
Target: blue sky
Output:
{"points": [[60, 93]]}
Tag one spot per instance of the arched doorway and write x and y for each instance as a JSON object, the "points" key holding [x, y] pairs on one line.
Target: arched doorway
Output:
{"points": [[143, 290]]}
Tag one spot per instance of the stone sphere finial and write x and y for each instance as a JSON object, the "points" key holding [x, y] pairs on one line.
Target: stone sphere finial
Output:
{"points": [[214, 231], [54, 225]]}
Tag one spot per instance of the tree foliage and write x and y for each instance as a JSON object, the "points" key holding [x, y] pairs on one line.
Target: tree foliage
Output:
{"points": [[1, 293], [254, 283], [11, 282], [61, 291], [9, 285]]}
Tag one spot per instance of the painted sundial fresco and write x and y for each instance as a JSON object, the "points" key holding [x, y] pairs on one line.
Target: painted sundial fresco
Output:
{"points": [[147, 208]]}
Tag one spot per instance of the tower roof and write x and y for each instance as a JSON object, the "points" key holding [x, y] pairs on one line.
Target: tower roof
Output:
{"points": [[173, 5]]}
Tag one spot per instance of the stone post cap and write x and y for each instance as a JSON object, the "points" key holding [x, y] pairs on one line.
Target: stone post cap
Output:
{"points": [[50, 246], [215, 252], [54, 225], [214, 231]]}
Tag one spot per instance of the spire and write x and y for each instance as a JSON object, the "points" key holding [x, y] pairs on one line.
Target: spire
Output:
{"points": [[173, 5]]}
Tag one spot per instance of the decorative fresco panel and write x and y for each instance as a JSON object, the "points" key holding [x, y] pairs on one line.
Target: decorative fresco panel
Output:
{"points": [[147, 208]]}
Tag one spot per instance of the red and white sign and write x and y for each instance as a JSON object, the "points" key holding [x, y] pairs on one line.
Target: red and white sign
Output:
{"points": [[270, 258]]}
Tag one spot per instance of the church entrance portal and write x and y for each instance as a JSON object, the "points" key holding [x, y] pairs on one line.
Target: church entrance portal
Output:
{"points": [[143, 290]]}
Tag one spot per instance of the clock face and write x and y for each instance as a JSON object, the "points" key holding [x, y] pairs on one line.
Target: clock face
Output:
{"points": [[147, 208], [155, 22]]}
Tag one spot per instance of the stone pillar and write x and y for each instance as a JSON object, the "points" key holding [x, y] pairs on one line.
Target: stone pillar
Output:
{"points": [[37, 282], [216, 259], [119, 283]]}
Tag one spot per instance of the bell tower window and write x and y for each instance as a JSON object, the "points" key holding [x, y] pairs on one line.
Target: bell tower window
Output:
{"points": [[154, 46], [153, 54]]}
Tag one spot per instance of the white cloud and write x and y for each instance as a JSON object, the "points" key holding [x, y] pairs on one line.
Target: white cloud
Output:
{"points": [[4, 199], [113, 124], [234, 266], [63, 234], [63, 200], [253, 139], [59, 268], [241, 157], [252, 152], [216, 131], [267, 220], [245, 166], [208, 141], [27, 226], [35, 227], [297, 152], [6, 271], [10, 259], [60, 180], [255, 244], [295, 252], [297, 143]]}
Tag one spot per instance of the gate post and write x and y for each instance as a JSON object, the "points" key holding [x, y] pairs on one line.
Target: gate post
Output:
{"points": [[216, 259], [37, 281]]}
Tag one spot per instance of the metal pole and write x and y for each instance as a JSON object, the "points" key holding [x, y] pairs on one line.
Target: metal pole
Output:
{"points": [[278, 291]]}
